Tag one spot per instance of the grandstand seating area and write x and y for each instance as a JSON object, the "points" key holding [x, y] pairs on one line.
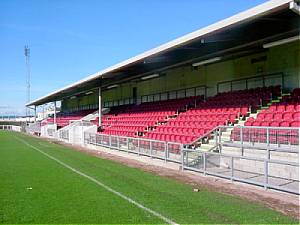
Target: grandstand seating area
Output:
{"points": [[285, 113], [64, 118], [222, 109], [131, 120], [185, 120]]}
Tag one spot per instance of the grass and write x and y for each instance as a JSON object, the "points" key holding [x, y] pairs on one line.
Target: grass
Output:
{"points": [[59, 195]]}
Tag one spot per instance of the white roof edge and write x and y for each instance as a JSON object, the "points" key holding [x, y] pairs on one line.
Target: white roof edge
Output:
{"points": [[242, 16]]}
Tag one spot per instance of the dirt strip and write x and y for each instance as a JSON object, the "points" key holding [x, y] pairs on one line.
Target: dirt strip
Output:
{"points": [[285, 203]]}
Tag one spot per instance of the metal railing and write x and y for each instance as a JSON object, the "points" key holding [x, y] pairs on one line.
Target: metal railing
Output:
{"points": [[51, 132], [168, 151], [167, 95], [251, 170], [63, 134], [175, 94], [119, 102], [11, 127], [262, 80], [267, 138], [33, 127], [265, 172]]}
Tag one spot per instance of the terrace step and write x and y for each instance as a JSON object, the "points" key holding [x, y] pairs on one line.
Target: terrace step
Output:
{"points": [[206, 147]]}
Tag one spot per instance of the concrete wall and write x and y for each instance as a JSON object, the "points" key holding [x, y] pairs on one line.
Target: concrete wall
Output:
{"points": [[285, 58]]}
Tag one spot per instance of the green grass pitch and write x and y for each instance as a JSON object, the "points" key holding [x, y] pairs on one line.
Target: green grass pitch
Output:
{"points": [[37, 189]]}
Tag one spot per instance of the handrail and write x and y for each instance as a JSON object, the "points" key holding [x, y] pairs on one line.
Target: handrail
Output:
{"points": [[135, 138], [262, 76], [204, 135], [244, 157], [263, 127], [177, 90], [243, 127]]}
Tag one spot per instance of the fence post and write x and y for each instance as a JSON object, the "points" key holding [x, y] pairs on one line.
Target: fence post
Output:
{"points": [[268, 143], [100, 140], [139, 149], [216, 139], [109, 141], [220, 140], [150, 149], [167, 150], [128, 145], [166, 153], [187, 158], [242, 141], [97, 137], [204, 163], [182, 159], [266, 174], [84, 142], [232, 169]]}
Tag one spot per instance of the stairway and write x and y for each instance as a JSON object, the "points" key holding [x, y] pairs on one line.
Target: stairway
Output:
{"points": [[225, 137], [94, 115]]}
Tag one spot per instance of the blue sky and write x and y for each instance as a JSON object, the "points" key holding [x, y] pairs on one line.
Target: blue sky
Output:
{"points": [[70, 39]]}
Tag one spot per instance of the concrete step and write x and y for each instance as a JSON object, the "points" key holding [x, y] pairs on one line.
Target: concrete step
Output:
{"points": [[91, 116], [206, 147]]}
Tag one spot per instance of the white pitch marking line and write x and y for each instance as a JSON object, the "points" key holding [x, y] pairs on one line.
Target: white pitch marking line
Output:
{"points": [[44, 145], [167, 220]]}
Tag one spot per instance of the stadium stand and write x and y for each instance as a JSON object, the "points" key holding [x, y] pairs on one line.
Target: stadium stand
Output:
{"points": [[185, 120], [222, 109], [64, 118]]}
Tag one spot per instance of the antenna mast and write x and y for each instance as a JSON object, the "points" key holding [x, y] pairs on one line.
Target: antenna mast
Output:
{"points": [[27, 58]]}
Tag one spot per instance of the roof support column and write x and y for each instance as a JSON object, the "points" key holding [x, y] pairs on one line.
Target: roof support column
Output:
{"points": [[43, 117], [35, 113], [99, 108], [54, 112]]}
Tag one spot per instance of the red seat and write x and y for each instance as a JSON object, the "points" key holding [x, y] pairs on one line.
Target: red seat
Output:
{"points": [[274, 124], [290, 108], [288, 116], [280, 108], [295, 123], [284, 124]]}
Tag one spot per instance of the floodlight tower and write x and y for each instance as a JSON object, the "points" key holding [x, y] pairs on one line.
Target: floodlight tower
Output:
{"points": [[27, 59]]}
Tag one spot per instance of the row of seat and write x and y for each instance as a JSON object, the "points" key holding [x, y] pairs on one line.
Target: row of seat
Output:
{"points": [[168, 137], [218, 110], [284, 107], [213, 117], [138, 118], [293, 123], [268, 116], [64, 118]]}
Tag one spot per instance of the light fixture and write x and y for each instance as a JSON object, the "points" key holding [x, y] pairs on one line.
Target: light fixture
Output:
{"points": [[90, 92], [281, 42], [212, 60], [113, 86], [73, 97], [150, 76]]}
